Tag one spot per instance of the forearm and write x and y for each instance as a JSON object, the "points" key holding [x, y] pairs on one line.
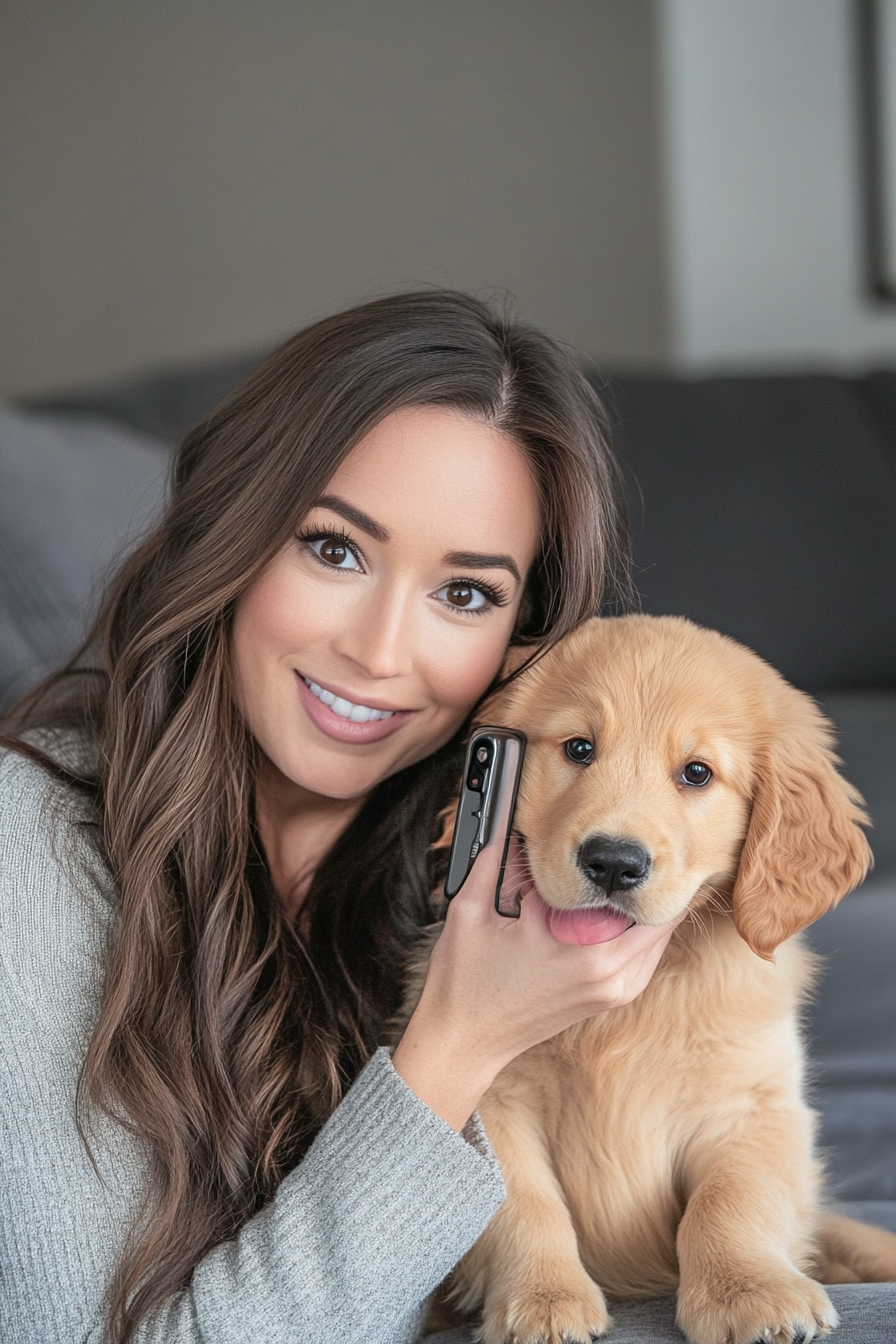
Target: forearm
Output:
{"points": [[449, 1070], [384, 1204], [387, 1199]]}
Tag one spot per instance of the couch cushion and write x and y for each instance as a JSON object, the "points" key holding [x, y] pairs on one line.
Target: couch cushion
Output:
{"points": [[858, 1139], [853, 1020], [765, 507], [852, 1042], [163, 404], [74, 493], [866, 732]]}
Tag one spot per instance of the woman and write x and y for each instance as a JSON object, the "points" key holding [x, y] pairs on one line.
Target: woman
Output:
{"points": [[217, 824]]}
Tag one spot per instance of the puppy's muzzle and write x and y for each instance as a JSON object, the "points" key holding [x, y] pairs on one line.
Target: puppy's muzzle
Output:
{"points": [[613, 863]]}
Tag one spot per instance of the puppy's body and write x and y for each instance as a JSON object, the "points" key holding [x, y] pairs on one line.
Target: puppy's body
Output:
{"points": [[667, 1145], [607, 1132]]}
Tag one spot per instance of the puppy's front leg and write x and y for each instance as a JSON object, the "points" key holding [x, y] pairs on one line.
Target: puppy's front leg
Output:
{"points": [[746, 1237], [525, 1271]]}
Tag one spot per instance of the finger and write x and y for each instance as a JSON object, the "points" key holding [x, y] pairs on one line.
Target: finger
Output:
{"points": [[482, 877], [637, 950], [642, 937]]}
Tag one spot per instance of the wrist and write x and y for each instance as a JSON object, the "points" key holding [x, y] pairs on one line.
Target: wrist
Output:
{"points": [[446, 1067]]}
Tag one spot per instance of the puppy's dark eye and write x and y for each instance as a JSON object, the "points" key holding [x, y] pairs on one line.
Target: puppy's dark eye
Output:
{"points": [[580, 750], [696, 774]]}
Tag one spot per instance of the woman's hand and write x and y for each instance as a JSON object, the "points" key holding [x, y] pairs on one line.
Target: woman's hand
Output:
{"points": [[495, 987]]}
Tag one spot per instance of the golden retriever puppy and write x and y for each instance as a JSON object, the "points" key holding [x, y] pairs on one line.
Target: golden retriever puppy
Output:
{"points": [[666, 1146]]}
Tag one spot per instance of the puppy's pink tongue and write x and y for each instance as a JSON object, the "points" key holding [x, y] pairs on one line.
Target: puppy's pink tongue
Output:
{"points": [[587, 926]]}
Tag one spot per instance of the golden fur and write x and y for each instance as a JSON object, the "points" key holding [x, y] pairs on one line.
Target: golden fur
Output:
{"points": [[666, 1146]]}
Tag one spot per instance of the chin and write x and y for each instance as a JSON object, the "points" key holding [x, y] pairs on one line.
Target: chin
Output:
{"points": [[340, 779]]}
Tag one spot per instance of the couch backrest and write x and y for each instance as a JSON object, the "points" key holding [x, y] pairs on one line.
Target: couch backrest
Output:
{"points": [[766, 507], [762, 506]]}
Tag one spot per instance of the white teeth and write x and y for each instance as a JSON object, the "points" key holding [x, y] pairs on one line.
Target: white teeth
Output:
{"points": [[345, 708]]}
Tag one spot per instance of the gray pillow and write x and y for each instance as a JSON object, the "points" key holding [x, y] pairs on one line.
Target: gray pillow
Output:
{"points": [[75, 493]]}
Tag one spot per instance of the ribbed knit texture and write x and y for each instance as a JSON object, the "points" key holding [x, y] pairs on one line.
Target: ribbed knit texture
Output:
{"points": [[387, 1199]]}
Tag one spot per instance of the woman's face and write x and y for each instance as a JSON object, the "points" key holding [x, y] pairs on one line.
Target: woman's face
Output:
{"points": [[364, 644]]}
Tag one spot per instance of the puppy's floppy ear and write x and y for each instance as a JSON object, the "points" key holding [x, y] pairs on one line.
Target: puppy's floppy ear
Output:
{"points": [[515, 656], [804, 850]]}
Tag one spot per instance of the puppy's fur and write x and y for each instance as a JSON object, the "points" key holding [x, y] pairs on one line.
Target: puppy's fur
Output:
{"points": [[666, 1146]]}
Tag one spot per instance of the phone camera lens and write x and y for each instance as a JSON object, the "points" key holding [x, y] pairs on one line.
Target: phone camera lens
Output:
{"points": [[481, 758]]}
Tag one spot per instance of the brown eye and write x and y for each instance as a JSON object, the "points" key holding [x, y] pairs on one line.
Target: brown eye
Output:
{"points": [[579, 750], [463, 596], [333, 552], [696, 774]]}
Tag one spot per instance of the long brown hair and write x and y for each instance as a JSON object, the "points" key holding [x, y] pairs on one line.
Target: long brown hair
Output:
{"points": [[226, 1036]]}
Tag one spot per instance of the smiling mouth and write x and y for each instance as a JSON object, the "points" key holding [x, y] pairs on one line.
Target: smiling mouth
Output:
{"points": [[346, 709]]}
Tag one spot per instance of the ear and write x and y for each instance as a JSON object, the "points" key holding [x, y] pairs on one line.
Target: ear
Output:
{"points": [[804, 850]]}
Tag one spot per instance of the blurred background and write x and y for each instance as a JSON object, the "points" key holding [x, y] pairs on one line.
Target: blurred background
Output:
{"points": [[192, 177], [663, 183], [678, 188]]}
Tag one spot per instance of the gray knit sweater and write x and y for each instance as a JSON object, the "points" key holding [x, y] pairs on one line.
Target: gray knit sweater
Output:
{"points": [[386, 1201]]}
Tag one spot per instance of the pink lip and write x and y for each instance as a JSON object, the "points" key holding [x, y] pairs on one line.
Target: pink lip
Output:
{"points": [[343, 730]]}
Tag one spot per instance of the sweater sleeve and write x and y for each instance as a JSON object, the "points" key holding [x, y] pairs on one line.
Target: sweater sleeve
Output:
{"points": [[386, 1201]]}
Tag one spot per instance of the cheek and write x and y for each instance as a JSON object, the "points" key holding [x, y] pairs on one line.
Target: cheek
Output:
{"points": [[718, 828], [547, 814], [458, 670], [277, 618], [279, 612], [696, 838]]}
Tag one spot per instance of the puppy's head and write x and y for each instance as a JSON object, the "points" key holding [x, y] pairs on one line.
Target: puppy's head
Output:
{"points": [[669, 767]]}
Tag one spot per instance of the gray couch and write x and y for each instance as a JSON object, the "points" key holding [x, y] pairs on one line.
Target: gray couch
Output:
{"points": [[765, 507]]}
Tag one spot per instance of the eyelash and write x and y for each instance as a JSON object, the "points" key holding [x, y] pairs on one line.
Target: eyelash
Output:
{"points": [[329, 534], [497, 597]]}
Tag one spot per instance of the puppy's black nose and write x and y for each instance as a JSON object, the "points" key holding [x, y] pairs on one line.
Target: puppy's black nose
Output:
{"points": [[613, 864]]}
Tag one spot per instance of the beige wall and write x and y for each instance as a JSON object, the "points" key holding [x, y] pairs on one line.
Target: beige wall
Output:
{"points": [[187, 177], [767, 234]]}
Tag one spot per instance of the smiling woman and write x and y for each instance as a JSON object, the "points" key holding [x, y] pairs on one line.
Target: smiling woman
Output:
{"points": [[372, 609], [361, 647], [216, 849]]}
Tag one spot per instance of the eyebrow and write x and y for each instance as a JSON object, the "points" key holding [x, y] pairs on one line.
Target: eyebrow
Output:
{"points": [[466, 559], [353, 515], [477, 560]]}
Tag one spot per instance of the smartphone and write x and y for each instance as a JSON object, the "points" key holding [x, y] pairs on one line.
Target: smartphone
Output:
{"points": [[485, 809]]}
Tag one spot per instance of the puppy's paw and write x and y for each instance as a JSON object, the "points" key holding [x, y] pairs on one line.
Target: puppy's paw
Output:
{"points": [[762, 1308], [543, 1313]]}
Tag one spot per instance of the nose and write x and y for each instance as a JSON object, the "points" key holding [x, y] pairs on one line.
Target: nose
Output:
{"points": [[380, 637], [614, 864]]}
